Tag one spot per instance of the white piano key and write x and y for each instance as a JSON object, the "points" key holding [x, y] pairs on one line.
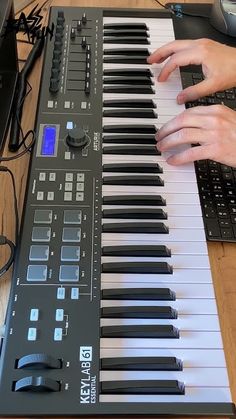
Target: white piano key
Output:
{"points": [[192, 377], [142, 280], [169, 187], [171, 222], [171, 210], [177, 261], [216, 394], [186, 307], [177, 234], [187, 340], [180, 248], [191, 358], [183, 322], [182, 290]]}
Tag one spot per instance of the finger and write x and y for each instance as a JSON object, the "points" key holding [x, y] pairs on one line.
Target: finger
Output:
{"points": [[204, 88], [183, 136], [165, 51], [192, 154], [190, 118], [179, 59]]}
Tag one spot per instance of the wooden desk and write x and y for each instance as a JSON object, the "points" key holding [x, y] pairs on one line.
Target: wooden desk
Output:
{"points": [[222, 256]]}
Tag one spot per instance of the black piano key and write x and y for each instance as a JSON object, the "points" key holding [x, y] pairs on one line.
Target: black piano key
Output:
{"points": [[136, 227], [130, 213], [137, 268], [147, 150], [142, 363], [129, 103], [136, 80], [147, 180], [134, 40], [139, 312], [132, 167], [125, 25], [131, 129], [157, 294], [150, 200], [145, 72], [126, 51], [140, 331], [135, 89], [129, 113], [166, 387], [123, 59], [126, 32], [129, 139], [137, 250]]}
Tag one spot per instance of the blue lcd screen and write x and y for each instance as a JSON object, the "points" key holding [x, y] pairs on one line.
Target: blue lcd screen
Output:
{"points": [[48, 140]]}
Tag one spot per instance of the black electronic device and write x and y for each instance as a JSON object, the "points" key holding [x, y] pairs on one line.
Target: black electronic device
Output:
{"points": [[223, 16], [8, 66], [112, 308]]}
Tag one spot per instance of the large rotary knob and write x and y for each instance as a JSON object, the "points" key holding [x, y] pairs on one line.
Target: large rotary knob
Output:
{"points": [[77, 138]]}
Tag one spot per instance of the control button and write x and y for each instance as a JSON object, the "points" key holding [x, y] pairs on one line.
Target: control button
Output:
{"points": [[79, 196], [42, 216], [39, 361], [34, 314], [52, 177], [60, 15], [80, 177], [69, 273], [56, 56], [37, 384], [67, 104], [59, 33], [74, 294], [72, 33], [40, 196], [50, 196], [72, 216], [70, 234], [59, 316], [54, 85], [83, 105], [76, 137], [69, 125], [58, 334], [70, 253], [84, 18], [68, 196], [32, 334], [42, 176], [69, 177], [37, 273], [61, 293], [50, 104], [55, 72], [88, 49], [80, 186], [83, 42], [58, 45], [39, 252], [41, 234], [79, 25], [68, 186], [87, 86], [56, 62], [67, 155]]}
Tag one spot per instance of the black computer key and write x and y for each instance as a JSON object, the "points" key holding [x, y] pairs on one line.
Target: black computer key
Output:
{"points": [[157, 294], [143, 387], [132, 167], [137, 250], [150, 200], [139, 312], [137, 180], [140, 227], [141, 363], [158, 268], [140, 331]]}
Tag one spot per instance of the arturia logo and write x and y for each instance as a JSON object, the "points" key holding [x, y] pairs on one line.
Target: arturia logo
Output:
{"points": [[31, 25]]}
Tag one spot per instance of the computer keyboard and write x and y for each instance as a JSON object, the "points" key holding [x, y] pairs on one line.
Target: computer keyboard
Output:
{"points": [[216, 181]]}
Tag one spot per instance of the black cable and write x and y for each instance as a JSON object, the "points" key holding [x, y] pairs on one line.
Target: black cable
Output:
{"points": [[3, 239], [28, 148], [175, 11]]}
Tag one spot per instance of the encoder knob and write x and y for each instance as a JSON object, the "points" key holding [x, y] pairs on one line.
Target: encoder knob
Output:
{"points": [[76, 137]]}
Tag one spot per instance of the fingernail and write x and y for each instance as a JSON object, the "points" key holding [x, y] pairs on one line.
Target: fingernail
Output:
{"points": [[180, 99]]}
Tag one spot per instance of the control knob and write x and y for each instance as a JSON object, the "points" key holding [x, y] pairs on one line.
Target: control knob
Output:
{"points": [[76, 137]]}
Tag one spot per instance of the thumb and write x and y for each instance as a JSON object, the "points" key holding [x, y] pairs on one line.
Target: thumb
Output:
{"points": [[204, 88]]}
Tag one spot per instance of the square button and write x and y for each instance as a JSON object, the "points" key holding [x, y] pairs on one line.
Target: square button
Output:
{"points": [[69, 273], [37, 273], [71, 234], [42, 216], [39, 252], [72, 216], [41, 234], [70, 253]]}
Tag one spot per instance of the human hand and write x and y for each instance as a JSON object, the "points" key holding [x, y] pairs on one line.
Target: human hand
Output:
{"points": [[218, 65], [212, 127]]}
